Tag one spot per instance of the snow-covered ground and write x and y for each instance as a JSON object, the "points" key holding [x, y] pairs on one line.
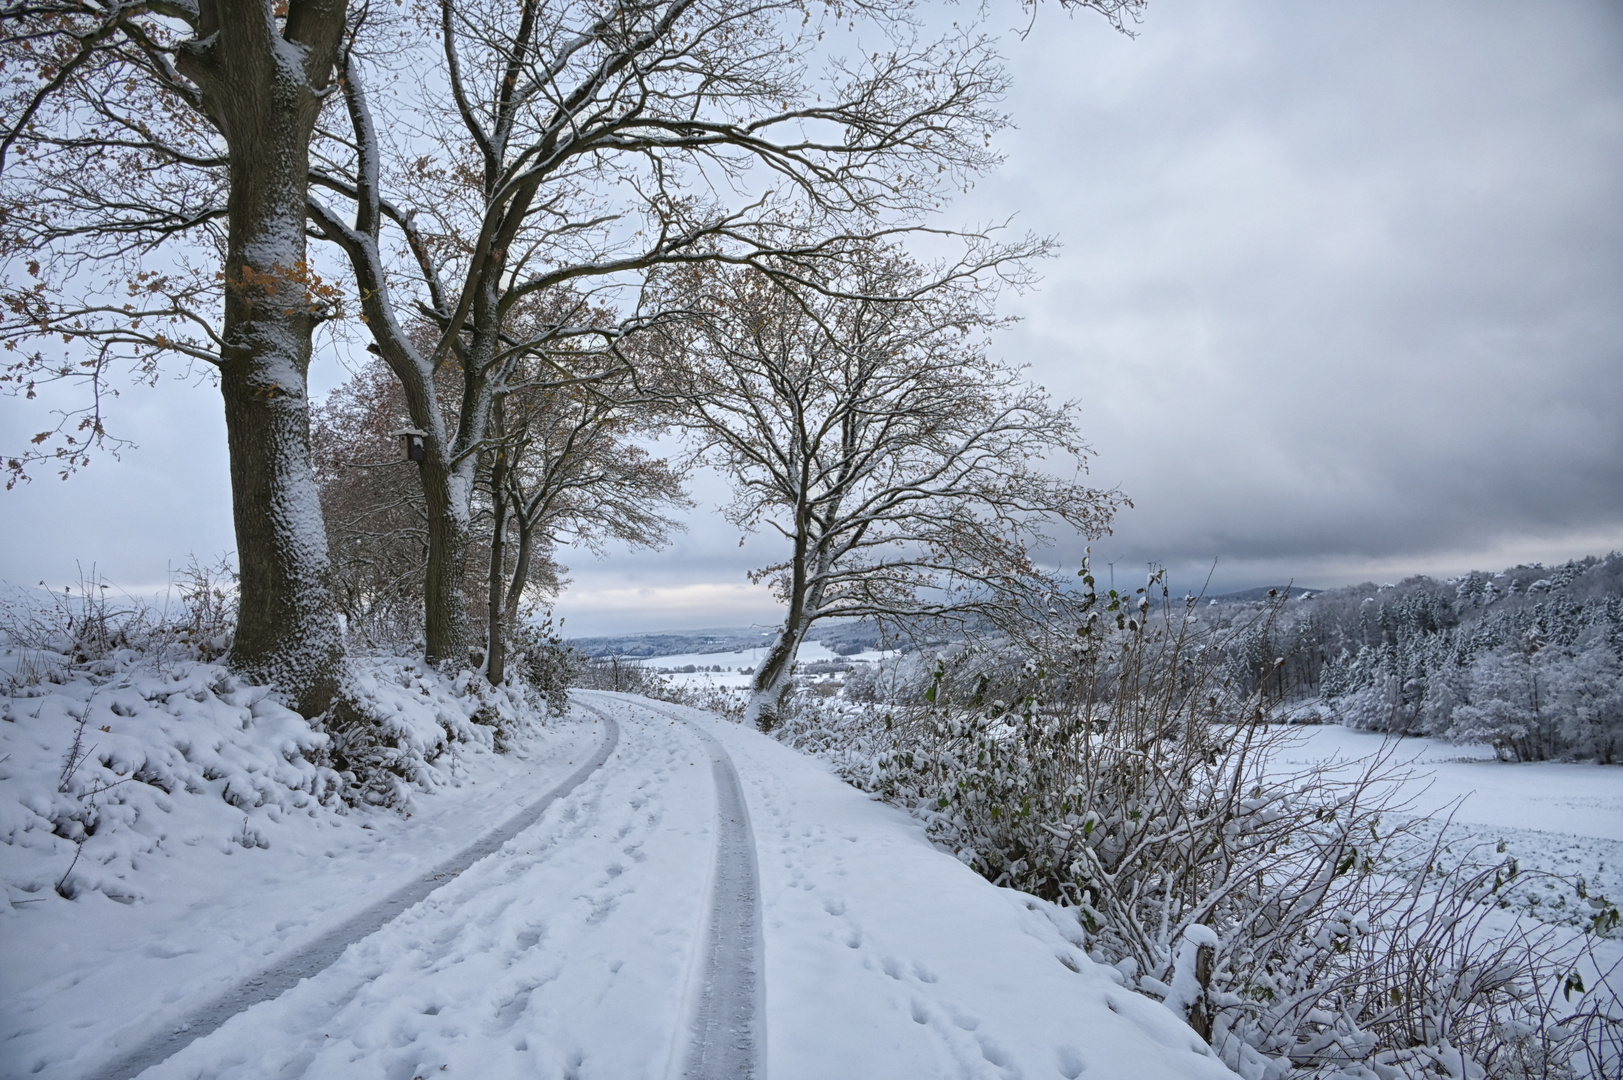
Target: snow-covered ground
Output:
{"points": [[586, 945], [737, 666], [208, 863], [1556, 797], [1563, 818], [578, 949]]}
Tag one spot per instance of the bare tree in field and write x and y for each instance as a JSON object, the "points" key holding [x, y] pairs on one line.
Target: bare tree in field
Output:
{"points": [[152, 204], [906, 470], [572, 146]]}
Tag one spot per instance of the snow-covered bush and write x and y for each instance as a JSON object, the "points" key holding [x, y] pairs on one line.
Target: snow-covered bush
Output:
{"points": [[395, 719], [120, 732], [624, 675], [549, 664], [193, 620], [1532, 701], [1113, 768], [716, 699]]}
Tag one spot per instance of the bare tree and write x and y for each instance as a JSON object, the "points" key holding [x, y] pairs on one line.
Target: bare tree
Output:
{"points": [[155, 160], [559, 145], [563, 469], [904, 468], [377, 528], [566, 470]]}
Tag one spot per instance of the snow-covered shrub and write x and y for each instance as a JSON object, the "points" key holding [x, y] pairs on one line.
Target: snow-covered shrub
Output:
{"points": [[862, 683], [1502, 708], [625, 675], [394, 719], [1110, 766], [95, 760], [548, 663], [711, 698], [105, 762], [1533, 701], [1379, 705], [1588, 691]]}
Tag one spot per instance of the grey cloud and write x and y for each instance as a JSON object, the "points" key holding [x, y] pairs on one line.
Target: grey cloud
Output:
{"points": [[1341, 296], [1341, 283]]}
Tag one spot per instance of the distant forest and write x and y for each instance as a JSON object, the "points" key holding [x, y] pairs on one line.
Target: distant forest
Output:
{"points": [[1529, 660]]}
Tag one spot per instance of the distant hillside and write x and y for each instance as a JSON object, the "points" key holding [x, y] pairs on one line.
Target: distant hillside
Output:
{"points": [[842, 637], [672, 643], [1529, 659], [1264, 592]]}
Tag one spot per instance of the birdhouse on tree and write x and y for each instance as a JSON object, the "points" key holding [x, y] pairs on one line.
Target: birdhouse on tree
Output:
{"points": [[411, 443]]}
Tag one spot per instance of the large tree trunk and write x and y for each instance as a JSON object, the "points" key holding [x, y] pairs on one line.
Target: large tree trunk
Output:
{"points": [[521, 565], [448, 472], [445, 597], [774, 678], [264, 94]]}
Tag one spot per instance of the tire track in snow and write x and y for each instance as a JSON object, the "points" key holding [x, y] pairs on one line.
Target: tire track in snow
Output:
{"points": [[321, 953], [729, 1024]]}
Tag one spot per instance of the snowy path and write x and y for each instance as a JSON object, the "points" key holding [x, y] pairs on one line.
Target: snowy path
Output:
{"points": [[884, 957], [729, 1039], [564, 954], [320, 954], [706, 903]]}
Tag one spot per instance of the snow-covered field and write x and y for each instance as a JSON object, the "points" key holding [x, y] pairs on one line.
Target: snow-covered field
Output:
{"points": [[1557, 797], [1563, 818], [737, 666]]}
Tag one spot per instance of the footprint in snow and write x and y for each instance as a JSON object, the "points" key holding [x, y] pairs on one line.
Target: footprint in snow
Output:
{"points": [[1069, 1062]]}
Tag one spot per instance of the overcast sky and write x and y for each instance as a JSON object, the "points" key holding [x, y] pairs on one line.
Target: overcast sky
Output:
{"points": [[1340, 297]]}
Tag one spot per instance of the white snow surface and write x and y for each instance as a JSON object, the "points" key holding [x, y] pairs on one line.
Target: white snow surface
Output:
{"points": [[738, 666], [576, 949], [218, 846], [1561, 817], [1562, 798]]}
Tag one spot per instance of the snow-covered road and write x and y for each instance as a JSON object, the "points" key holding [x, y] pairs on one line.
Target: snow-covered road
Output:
{"points": [[640, 928], [728, 1039], [316, 956]]}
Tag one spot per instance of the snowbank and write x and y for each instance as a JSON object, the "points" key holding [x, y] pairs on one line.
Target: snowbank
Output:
{"points": [[218, 834], [108, 765]]}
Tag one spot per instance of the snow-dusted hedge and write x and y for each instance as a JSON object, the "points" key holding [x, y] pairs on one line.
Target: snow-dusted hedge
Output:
{"points": [[1289, 919]]}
